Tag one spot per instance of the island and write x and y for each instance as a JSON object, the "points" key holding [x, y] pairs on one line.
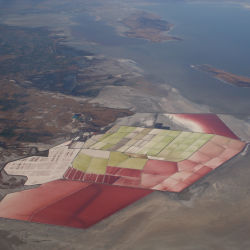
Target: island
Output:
{"points": [[148, 26], [236, 80]]}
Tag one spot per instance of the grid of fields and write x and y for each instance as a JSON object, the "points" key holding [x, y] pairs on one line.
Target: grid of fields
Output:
{"points": [[166, 144], [151, 158], [133, 162], [40, 169]]}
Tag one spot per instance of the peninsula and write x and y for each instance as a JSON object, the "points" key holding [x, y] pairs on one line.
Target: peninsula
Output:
{"points": [[239, 81]]}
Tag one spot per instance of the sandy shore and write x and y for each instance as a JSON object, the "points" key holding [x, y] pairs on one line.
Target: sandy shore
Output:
{"points": [[148, 98]]}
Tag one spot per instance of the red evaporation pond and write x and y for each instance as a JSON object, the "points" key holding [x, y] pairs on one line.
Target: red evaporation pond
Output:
{"points": [[69, 203], [158, 167], [123, 172], [210, 124], [151, 180]]}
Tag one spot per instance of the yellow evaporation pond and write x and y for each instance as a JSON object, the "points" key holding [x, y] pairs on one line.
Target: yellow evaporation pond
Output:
{"points": [[134, 163], [97, 166], [116, 157], [82, 162]]}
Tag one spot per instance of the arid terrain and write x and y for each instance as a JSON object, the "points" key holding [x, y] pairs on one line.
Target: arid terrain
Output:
{"points": [[34, 112]]}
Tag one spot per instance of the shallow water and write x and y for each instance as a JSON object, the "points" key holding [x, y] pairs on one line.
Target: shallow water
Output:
{"points": [[216, 34]]}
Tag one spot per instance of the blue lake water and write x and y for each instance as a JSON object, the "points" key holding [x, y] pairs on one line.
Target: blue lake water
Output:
{"points": [[215, 34]]}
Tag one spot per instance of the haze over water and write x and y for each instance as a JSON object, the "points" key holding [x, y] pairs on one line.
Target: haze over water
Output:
{"points": [[215, 34]]}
